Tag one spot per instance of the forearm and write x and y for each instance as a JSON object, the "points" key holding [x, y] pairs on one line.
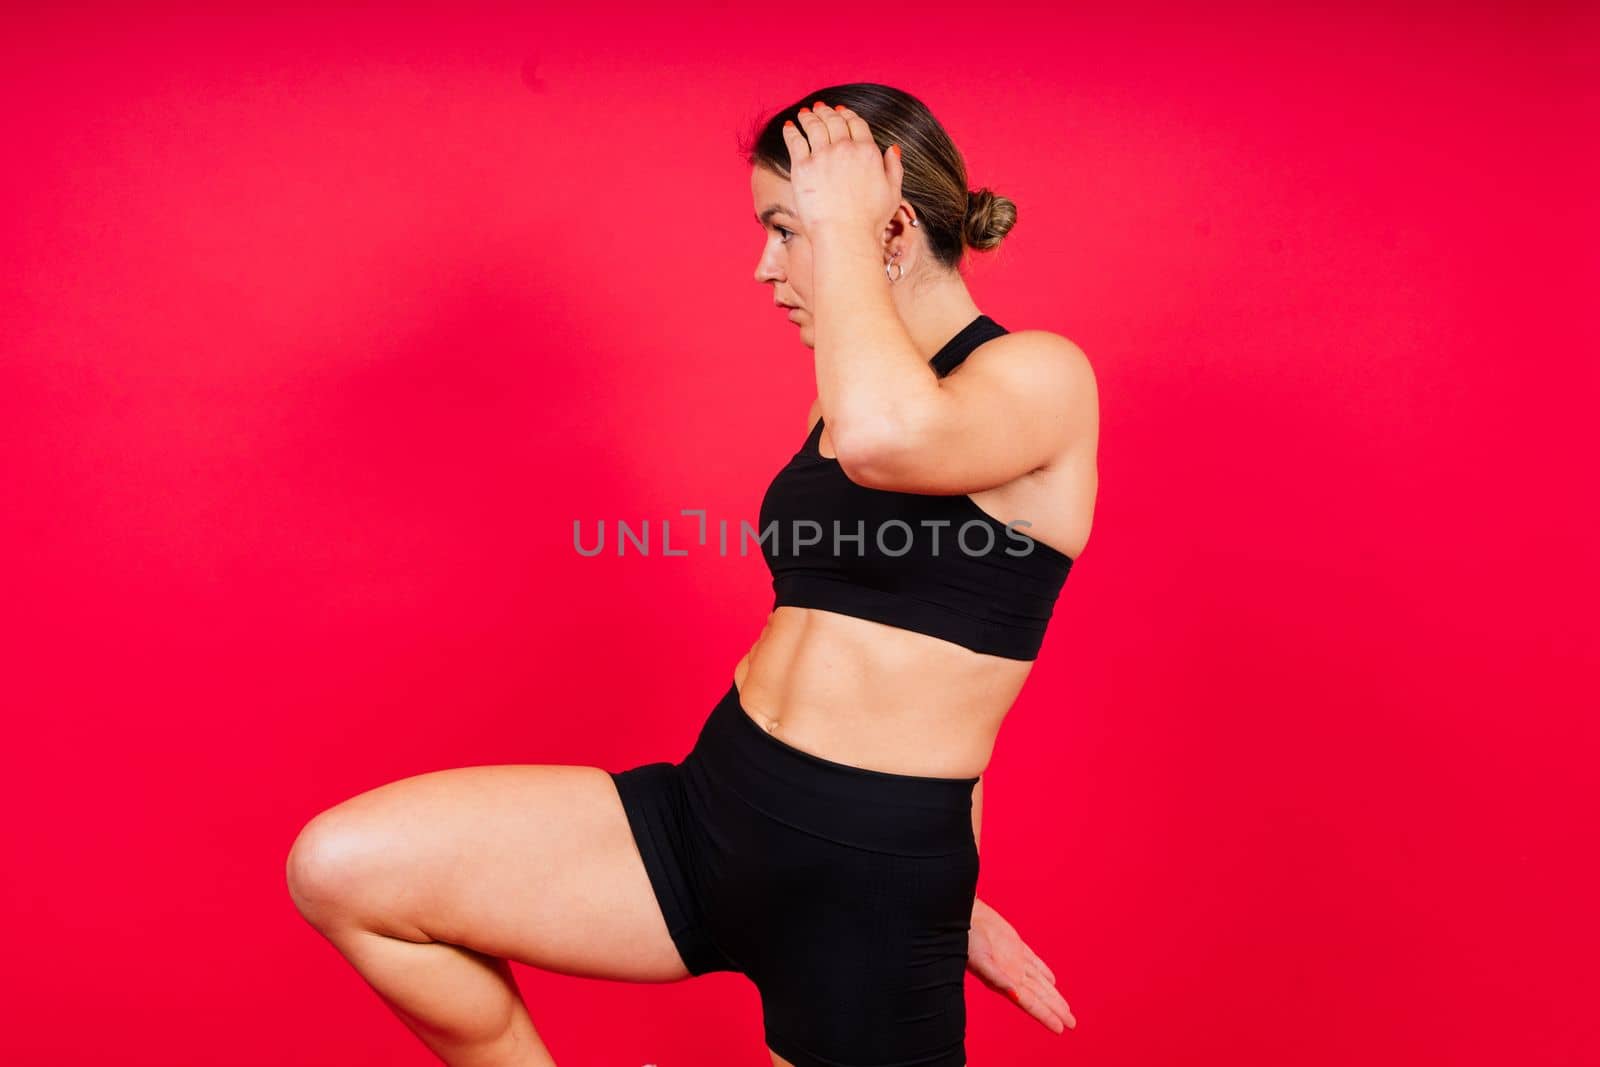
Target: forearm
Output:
{"points": [[977, 809], [977, 821], [871, 380]]}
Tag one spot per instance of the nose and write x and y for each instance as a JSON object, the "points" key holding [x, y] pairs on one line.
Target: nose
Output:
{"points": [[767, 266]]}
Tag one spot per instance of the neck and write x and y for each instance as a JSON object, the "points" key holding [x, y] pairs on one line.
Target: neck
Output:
{"points": [[938, 312]]}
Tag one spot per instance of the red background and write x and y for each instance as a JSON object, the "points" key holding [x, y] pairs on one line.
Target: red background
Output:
{"points": [[321, 329]]}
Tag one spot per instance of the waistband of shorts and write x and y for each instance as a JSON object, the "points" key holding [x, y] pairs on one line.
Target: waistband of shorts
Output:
{"points": [[906, 814]]}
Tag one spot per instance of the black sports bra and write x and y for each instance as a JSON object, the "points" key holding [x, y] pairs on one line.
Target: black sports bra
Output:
{"points": [[935, 564]]}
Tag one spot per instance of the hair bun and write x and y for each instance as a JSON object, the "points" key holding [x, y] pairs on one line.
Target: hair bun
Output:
{"points": [[989, 218]]}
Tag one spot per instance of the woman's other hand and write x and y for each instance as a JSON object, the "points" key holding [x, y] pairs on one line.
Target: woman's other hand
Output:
{"points": [[1005, 963]]}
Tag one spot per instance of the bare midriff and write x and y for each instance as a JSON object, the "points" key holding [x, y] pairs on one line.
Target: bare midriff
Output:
{"points": [[876, 696]]}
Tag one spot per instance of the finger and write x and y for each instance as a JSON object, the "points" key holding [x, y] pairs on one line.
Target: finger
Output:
{"points": [[815, 129], [892, 170], [1050, 998], [1026, 999], [1042, 1001], [799, 147], [832, 120], [1045, 1005], [855, 125]]}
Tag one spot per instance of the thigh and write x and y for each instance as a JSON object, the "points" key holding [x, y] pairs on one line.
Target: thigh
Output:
{"points": [[530, 862], [863, 958]]}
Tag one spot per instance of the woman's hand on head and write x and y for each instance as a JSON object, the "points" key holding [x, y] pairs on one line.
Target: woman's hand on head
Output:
{"points": [[841, 182], [1004, 963]]}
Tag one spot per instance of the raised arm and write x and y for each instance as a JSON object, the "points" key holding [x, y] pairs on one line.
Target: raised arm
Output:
{"points": [[1021, 400]]}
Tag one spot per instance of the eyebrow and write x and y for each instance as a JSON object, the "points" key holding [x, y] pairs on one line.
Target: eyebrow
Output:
{"points": [[771, 210]]}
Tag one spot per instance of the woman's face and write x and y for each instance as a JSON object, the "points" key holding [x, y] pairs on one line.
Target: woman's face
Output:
{"points": [[785, 254]]}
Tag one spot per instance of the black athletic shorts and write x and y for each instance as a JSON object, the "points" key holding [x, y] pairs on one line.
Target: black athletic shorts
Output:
{"points": [[845, 894]]}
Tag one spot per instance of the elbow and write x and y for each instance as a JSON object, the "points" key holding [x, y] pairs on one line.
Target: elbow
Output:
{"points": [[872, 452], [868, 461]]}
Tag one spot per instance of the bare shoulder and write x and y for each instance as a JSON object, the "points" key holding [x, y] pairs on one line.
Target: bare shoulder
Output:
{"points": [[1039, 361], [1041, 351]]}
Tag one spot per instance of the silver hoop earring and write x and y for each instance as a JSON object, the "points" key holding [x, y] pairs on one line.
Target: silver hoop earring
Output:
{"points": [[894, 277]]}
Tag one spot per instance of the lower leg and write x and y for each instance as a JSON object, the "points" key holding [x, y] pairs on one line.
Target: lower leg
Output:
{"points": [[462, 1004]]}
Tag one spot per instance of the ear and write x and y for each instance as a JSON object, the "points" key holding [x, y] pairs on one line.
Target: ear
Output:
{"points": [[901, 210]]}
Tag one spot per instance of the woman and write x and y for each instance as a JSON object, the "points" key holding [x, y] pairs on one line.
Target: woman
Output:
{"points": [[822, 835]]}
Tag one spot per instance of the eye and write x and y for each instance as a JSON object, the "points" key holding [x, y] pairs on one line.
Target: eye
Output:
{"points": [[786, 233]]}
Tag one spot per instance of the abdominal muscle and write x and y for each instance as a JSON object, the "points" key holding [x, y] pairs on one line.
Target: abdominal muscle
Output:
{"points": [[876, 696]]}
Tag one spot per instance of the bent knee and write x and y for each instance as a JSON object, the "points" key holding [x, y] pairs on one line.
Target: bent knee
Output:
{"points": [[331, 866]]}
